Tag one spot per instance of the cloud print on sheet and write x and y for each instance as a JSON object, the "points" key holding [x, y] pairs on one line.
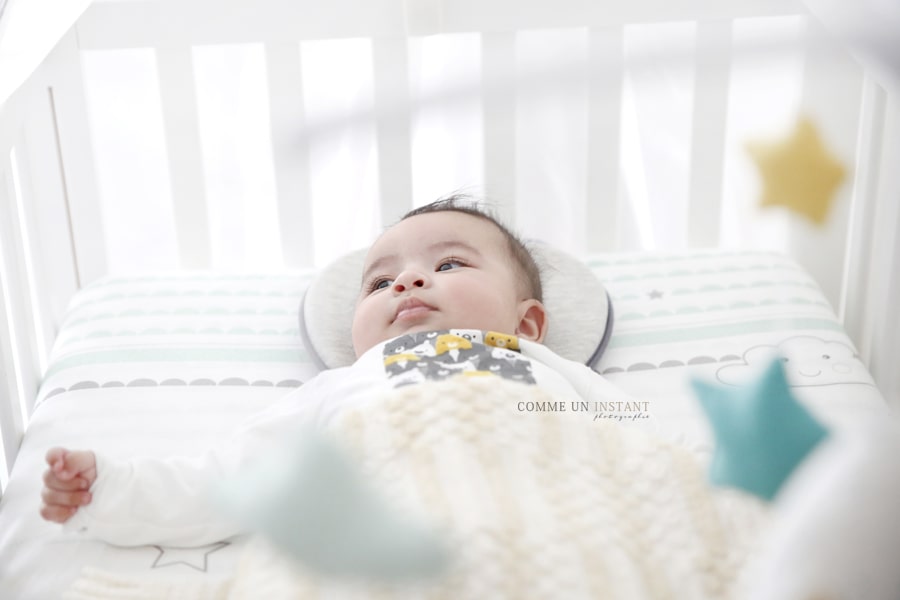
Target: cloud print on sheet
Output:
{"points": [[808, 361]]}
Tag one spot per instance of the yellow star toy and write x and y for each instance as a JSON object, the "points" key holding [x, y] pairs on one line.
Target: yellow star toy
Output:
{"points": [[799, 172]]}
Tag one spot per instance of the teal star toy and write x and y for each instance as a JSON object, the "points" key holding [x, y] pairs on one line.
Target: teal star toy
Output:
{"points": [[762, 433]]}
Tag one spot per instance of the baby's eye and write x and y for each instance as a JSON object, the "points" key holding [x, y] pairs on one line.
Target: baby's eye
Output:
{"points": [[450, 263], [379, 284]]}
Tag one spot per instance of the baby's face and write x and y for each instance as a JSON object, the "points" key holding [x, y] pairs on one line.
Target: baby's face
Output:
{"points": [[438, 270]]}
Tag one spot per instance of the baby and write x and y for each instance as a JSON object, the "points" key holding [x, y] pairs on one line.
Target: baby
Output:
{"points": [[448, 265], [446, 290]]}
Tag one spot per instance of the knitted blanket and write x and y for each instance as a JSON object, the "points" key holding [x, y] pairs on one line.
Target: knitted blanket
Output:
{"points": [[534, 505]]}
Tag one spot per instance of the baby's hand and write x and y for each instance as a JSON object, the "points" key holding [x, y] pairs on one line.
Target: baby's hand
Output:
{"points": [[67, 482]]}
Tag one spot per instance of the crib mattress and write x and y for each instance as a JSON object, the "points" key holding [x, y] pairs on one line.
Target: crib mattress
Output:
{"points": [[169, 364]]}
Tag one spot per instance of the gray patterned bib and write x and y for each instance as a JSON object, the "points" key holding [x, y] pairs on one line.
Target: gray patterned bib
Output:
{"points": [[437, 355]]}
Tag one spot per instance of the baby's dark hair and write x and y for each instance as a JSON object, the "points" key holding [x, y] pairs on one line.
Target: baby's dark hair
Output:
{"points": [[522, 259]]}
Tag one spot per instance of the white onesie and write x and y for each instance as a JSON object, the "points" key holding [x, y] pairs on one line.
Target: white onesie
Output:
{"points": [[166, 501]]}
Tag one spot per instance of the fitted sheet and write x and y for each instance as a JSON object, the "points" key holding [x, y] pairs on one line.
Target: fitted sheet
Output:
{"points": [[172, 363]]}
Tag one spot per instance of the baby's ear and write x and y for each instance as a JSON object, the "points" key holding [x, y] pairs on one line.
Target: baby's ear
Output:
{"points": [[532, 320]]}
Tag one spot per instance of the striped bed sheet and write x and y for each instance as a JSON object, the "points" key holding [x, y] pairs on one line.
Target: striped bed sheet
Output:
{"points": [[168, 364]]}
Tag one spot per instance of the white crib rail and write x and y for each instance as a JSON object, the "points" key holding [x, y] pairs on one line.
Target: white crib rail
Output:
{"points": [[20, 372], [871, 276], [51, 211], [389, 23], [38, 269]]}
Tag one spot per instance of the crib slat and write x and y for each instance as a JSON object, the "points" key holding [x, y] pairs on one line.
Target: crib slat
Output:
{"points": [[711, 79], [392, 125], [18, 360], [871, 275], [872, 272], [12, 422], [179, 106], [56, 266], [498, 66], [887, 342], [836, 116], [856, 308], [73, 136], [21, 294], [605, 64], [32, 271], [291, 153]]}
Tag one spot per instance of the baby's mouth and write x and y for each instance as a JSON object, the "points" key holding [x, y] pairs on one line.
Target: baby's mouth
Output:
{"points": [[411, 309]]}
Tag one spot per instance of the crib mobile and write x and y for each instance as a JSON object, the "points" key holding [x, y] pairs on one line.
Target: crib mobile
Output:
{"points": [[773, 430]]}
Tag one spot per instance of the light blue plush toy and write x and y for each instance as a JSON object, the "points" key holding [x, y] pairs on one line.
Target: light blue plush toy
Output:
{"points": [[835, 495], [313, 503]]}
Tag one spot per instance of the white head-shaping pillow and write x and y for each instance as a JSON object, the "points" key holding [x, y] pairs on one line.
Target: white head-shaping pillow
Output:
{"points": [[579, 312]]}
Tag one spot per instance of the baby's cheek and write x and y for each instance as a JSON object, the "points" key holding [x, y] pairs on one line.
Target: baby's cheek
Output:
{"points": [[363, 328]]}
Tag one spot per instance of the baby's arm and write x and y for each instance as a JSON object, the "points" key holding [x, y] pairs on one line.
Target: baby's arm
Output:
{"points": [[169, 501], [67, 483]]}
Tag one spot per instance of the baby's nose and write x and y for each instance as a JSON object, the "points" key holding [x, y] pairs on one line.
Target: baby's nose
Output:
{"points": [[408, 280]]}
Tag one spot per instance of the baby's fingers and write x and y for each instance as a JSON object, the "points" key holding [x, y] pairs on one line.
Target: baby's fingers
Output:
{"points": [[56, 457], [67, 464], [58, 514], [54, 482], [54, 454], [64, 499]]}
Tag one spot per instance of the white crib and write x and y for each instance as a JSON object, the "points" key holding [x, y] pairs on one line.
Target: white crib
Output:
{"points": [[278, 134], [566, 176]]}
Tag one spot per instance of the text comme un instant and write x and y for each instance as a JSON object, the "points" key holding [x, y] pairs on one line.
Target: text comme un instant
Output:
{"points": [[582, 406]]}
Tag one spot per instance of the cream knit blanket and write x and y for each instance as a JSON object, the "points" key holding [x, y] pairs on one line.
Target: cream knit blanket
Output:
{"points": [[535, 505]]}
